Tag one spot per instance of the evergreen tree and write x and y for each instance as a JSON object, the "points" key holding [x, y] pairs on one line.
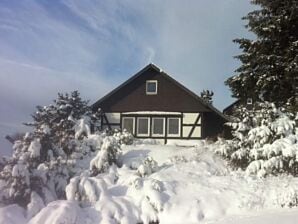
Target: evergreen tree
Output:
{"points": [[54, 124], [44, 160], [269, 67], [265, 140]]}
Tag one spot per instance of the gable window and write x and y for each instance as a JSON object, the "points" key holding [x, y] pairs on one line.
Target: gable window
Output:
{"points": [[151, 87], [128, 123], [158, 126], [173, 127], [143, 126]]}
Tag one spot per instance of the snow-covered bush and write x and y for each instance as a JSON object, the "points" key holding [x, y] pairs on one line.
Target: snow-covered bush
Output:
{"points": [[35, 205], [123, 137], [149, 196], [120, 197], [265, 141], [149, 166], [85, 189], [89, 189], [108, 155]]}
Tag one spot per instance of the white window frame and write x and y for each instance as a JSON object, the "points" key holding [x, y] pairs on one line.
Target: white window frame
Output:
{"points": [[151, 81], [249, 101], [164, 127], [179, 127], [137, 132], [133, 123]]}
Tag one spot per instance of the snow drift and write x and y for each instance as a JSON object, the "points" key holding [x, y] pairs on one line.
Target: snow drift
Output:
{"points": [[169, 184]]}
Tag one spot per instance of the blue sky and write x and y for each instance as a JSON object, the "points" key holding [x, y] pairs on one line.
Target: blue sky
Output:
{"points": [[50, 46]]}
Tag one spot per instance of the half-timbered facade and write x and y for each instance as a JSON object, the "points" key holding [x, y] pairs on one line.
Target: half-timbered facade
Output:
{"points": [[151, 104]]}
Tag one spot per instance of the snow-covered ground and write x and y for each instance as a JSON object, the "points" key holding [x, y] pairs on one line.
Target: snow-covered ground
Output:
{"points": [[177, 183], [288, 216]]}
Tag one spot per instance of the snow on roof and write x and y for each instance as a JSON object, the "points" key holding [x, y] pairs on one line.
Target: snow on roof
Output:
{"points": [[154, 112], [157, 67]]}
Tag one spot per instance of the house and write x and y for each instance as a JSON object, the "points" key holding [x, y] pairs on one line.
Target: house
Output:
{"points": [[151, 104], [229, 110]]}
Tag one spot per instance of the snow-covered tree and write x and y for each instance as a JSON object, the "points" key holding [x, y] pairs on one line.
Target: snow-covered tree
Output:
{"points": [[54, 124], [265, 140], [44, 160], [269, 69]]}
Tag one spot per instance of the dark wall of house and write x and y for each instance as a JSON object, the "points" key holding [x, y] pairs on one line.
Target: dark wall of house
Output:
{"points": [[213, 125], [230, 109], [132, 97]]}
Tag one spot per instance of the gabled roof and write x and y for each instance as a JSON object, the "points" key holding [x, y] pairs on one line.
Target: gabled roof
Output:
{"points": [[231, 105], [179, 85]]}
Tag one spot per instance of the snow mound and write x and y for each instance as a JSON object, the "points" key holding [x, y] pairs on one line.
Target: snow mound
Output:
{"points": [[12, 214], [58, 212], [263, 217]]}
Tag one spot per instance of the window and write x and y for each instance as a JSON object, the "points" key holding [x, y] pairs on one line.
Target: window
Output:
{"points": [[173, 127], [151, 87], [128, 123], [143, 126], [249, 101], [158, 126]]}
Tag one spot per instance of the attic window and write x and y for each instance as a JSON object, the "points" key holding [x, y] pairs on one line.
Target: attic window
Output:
{"points": [[151, 87], [249, 101]]}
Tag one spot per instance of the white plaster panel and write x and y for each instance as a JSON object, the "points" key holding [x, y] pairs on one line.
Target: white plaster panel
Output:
{"points": [[190, 118], [113, 117], [197, 132], [115, 127], [186, 131]]}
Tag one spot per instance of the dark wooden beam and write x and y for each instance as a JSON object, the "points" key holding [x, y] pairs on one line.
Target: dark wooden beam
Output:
{"points": [[191, 125], [107, 121], [166, 130]]}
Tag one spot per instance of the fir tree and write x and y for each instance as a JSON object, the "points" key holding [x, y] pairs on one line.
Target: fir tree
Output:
{"points": [[44, 160], [54, 124], [265, 140], [269, 67]]}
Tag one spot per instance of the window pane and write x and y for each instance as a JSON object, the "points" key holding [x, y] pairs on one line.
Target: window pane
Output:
{"points": [[173, 126], [158, 126], [128, 124], [151, 87], [143, 126]]}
